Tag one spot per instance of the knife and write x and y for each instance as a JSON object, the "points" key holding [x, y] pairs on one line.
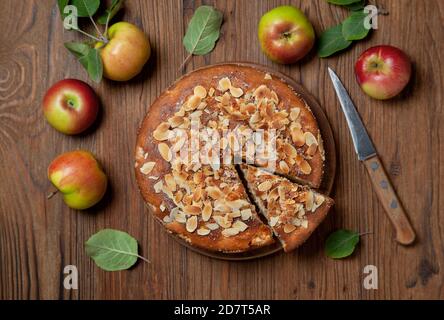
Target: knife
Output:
{"points": [[405, 234]]}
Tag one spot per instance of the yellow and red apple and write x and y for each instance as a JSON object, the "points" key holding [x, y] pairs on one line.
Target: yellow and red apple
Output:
{"points": [[383, 71], [285, 34], [126, 52], [70, 106], [79, 177]]}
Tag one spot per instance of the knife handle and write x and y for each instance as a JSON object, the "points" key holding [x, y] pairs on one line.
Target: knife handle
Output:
{"points": [[405, 234]]}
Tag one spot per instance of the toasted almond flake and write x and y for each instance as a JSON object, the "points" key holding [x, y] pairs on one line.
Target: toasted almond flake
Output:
{"points": [[229, 232], [191, 209], [301, 212], [273, 221], [162, 207], [267, 76], [284, 167], [158, 186], [207, 211], [175, 121], [294, 113], [298, 137], [224, 84], [181, 218], [225, 100], [167, 219], [265, 186], [200, 91], [222, 221], [288, 228], [297, 222], [239, 225], [191, 224], [162, 131], [246, 214], [310, 138], [165, 151], [214, 192], [236, 92], [212, 226], [203, 231], [305, 167], [304, 223], [192, 103], [171, 183], [147, 167], [309, 200], [311, 150], [153, 177], [289, 150], [211, 92]]}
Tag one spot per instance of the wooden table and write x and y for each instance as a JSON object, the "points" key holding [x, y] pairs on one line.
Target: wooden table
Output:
{"points": [[39, 237]]}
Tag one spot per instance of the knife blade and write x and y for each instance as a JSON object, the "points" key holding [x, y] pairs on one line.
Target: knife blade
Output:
{"points": [[361, 141], [367, 154]]}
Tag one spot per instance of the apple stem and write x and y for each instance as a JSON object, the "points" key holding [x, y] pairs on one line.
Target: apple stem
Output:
{"points": [[91, 36], [185, 62], [52, 194]]}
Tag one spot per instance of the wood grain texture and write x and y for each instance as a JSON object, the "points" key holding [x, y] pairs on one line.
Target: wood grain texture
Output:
{"points": [[39, 237]]}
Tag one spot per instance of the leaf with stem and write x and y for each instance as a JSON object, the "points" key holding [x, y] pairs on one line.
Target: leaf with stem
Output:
{"points": [[332, 41], [86, 8], [110, 12], [342, 2], [353, 27], [113, 250], [342, 243]]}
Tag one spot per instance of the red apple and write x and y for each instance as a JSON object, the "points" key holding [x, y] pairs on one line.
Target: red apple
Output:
{"points": [[79, 177], [383, 71], [70, 106], [285, 34], [126, 52]]}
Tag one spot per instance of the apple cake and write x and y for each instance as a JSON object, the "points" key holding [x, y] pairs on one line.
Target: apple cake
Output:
{"points": [[292, 210], [195, 135]]}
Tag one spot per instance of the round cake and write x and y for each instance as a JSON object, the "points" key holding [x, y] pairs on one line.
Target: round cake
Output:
{"points": [[194, 137]]}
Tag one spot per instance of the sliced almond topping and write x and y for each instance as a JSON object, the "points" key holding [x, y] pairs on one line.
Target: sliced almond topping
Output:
{"points": [[171, 183], [212, 226], [273, 221], [309, 200], [246, 214], [175, 121], [162, 207], [203, 231], [311, 150], [191, 224], [305, 167], [294, 113], [304, 223], [214, 192], [207, 211], [224, 84], [192, 103], [200, 91], [165, 151], [298, 137], [229, 232], [158, 186], [310, 138], [222, 221], [239, 225], [265, 186], [193, 210], [288, 228], [147, 167], [225, 100], [289, 150], [162, 131], [211, 92], [180, 217], [284, 167], [167, 219], [236, 92], [267, 76]]}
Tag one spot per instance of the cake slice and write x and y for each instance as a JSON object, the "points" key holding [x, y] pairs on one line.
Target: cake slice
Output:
{"points": [[293, 211]]}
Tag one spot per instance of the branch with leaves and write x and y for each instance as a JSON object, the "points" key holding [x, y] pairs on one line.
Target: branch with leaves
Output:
{"points": [[88, 52]]}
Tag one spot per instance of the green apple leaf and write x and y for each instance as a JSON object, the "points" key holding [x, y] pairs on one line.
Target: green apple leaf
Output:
{"points": [[356, 6], [86, 8], [79, 49], [353, 27], [95, 65], [332, 41], [341, 243], [342, 2], [115, 6], [113, 250], [62, 4], [203, 30]]}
